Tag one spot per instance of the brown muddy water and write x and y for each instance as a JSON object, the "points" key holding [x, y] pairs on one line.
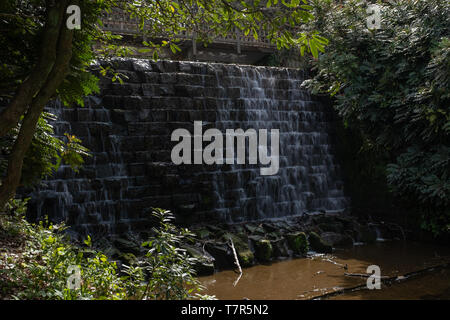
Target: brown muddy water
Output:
{"points": [[311, 277]]}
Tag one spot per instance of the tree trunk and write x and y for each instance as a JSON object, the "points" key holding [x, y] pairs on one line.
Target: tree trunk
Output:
{"points": [[10, 116], [55, 78]]}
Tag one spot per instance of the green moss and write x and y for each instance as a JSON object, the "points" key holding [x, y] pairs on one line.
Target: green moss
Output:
{"points": [[317, 244], [246, 257], [298, 242], [203, 233], [263, 250]]}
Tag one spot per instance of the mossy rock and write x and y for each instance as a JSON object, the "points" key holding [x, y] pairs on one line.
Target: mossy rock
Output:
{"points": [[263, 250], [216, 232], [280, 248], [204, 264], [223, 257], [274, 235], [317, 244], [257, 230], [203, 233], [239, 241], [127, 246], [239, 230], [297, 242], [270, 227], [245, 255]]}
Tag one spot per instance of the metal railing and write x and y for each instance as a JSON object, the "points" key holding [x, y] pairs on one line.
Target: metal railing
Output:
{"points": [[120, 23]]}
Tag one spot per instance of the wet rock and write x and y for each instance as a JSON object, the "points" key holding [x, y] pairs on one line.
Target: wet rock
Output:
{"points": [[240, 242], [127, 246], [270, 227], [203, 233], [317, 244], [297, 242], [239, 230], [346, 241], [246, 257], [280, 248], [274, 235], [258, 230], [263, 250], [331, 237], [223, 257], [216, 231], [255, 238], [334, 226], [204, 264]]}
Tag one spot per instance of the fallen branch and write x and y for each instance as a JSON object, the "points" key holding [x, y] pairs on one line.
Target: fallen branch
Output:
{"points": [[363, 275], [237, 280], [236, 260], [384, 280]]}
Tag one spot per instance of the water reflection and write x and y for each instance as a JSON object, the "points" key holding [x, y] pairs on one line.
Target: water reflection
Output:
{"points": [[319, 274]]}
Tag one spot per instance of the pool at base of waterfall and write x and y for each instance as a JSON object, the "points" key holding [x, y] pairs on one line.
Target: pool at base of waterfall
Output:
{"points": [[408, 270]]}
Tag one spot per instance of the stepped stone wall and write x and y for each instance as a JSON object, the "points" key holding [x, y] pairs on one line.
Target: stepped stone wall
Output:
{"points": [[128, 129]]}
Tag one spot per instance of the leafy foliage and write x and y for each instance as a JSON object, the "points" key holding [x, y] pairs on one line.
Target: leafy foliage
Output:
{"points": [[162, 22], [170, 268], [393, 84], [37, 260], [46, 152], [39, 269], [281, 21]]}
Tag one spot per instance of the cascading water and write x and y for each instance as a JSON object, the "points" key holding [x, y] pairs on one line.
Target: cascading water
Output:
{"points": [[128, 129]]}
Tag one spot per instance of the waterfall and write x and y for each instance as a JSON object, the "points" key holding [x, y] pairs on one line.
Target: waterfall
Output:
{"points": [[128, 129]]}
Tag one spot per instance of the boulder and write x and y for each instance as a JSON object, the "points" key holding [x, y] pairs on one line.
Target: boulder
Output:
{"points": [[317, 244], [245, 255], [333, 226], [346, 241], [127, 246], [263, 250], [223, 257], [297, 242], [331, 237], [203, 233], [257, 230], [204, 264], [280, 247]]}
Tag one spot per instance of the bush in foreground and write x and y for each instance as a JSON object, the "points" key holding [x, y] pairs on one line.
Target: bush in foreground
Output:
{"points": [[39, 262]]}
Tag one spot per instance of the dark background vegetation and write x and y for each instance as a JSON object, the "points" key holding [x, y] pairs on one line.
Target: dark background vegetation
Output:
{"points": [[391, 89]]}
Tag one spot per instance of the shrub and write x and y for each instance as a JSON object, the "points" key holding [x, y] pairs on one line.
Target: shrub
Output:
{"points": [[392, 85], [46, 151], [38, 260]]}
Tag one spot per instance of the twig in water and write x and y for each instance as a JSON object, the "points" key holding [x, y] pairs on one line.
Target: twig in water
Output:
{"points": [[236, 261]]}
